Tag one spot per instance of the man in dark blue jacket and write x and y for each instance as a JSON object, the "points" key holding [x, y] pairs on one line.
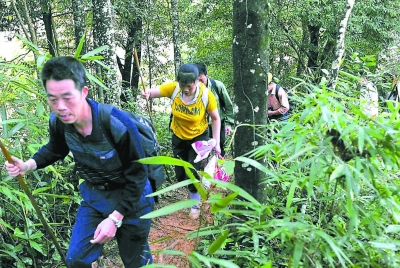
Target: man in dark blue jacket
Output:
{"points": [[115, 186]]}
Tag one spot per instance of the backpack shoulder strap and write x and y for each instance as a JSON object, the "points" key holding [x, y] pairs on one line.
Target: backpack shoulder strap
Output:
{"points": [[216, 89], [56, 123], [175, 92], [277, 87], [204, 98], [213, 84], [104, 118]]}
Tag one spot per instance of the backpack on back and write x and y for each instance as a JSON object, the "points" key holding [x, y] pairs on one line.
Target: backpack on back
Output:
{"points": [[146, 130], [150, 144], [214, 86]]}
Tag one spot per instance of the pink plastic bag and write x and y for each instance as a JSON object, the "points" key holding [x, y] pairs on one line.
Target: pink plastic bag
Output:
{"points": [[220, 173], [203, 148], [215, 170]]}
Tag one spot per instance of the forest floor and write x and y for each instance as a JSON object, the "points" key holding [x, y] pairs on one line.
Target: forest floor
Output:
{"points": [[167, 232]]}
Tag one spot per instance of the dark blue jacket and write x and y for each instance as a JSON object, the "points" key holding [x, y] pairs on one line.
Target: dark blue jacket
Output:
{"points": [[96, 160]]}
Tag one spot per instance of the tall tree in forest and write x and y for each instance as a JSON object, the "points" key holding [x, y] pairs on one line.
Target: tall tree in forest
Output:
{"points": [[340, 45], [48, 26], [79, 15], [104, 36], [175, 34], [250, 86], [28, 27], [130, 17]]}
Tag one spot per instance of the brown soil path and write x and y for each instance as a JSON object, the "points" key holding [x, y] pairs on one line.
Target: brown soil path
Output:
{"points": [[167, 232]]}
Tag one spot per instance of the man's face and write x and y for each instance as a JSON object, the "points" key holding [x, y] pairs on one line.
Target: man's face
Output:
{"points": [[66, 100], [203, 78], [188, 89]]}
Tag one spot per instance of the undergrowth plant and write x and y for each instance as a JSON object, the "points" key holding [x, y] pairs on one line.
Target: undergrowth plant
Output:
{"points": [[332, 185]]}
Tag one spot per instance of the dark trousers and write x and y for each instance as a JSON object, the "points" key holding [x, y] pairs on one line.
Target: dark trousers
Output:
{"points": [[222, 137], [183, 149], [132, 236]]}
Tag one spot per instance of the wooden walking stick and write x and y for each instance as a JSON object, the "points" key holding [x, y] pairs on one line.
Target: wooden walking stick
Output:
{"points": [[144, 88], [35, 205], [147, 101]]}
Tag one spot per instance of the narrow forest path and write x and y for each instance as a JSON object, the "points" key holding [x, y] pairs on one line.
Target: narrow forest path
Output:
{"points": [[167, 232]]}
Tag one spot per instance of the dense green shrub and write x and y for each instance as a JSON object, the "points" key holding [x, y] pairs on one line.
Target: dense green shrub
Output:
{"points": [[331, 204]]}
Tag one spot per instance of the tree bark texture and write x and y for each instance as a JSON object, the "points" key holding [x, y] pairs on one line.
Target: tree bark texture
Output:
{"points": [[48, 26], [250, 87], [104, 35], [79, 15], [340, 44], [175, 35], [129, 71]]}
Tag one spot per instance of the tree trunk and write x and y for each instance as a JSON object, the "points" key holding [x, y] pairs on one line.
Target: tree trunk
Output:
{"points": [[175, 35], [250, 86], [130, 74], [340, 44], [48, 26], [79, 13], [313, 47], [104, 35]]}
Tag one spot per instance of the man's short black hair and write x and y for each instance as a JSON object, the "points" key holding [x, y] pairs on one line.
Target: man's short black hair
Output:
{"points": [[64, 67], [202, 68], [188, 73]]}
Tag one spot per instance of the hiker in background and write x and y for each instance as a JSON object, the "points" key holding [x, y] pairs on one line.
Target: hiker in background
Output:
{"points": [[225, 107], [189, 121], [115, 186], [368, 97], [278, 102]]}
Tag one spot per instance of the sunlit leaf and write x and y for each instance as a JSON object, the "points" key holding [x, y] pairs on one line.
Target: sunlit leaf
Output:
{"points": [[94, 52], [217, 243], [171, 208]]}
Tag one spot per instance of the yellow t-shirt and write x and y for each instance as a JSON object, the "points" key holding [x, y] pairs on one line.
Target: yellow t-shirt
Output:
{"points": [[189, 120]]}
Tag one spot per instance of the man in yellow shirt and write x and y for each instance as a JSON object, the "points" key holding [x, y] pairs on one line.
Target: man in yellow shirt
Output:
{"points": [[189, 123]]}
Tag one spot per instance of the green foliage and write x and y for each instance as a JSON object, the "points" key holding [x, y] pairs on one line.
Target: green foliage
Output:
{"points": [[323, 210]]}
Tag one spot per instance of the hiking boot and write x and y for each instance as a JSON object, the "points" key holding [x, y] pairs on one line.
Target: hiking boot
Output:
{"points": [[194, 213]]}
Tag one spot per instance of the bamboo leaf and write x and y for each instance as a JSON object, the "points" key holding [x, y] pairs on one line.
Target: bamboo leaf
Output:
{"points": [[298, 154], [94, 52], [224, 202], [207, 261], [164, 160], [80, 46], [218, 242], [339, 171], [291, 193], [172, 187], [235, 188], [171, 208], [298, 252], [95, 80], [194, 262]]}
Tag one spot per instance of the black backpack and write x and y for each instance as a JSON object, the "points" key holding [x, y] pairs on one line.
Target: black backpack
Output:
{"points": [[150, 144], [146, 130]]}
